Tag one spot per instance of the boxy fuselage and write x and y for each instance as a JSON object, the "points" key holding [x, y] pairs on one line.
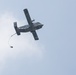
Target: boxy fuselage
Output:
{"points": [[31, 27], [27, 28]]}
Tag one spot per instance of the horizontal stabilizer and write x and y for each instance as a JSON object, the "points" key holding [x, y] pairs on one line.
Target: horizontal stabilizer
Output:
{"points": [[16, 28]]}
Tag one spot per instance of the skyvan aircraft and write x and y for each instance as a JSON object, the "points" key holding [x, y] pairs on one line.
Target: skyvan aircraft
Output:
{"points": [[31, 27]]}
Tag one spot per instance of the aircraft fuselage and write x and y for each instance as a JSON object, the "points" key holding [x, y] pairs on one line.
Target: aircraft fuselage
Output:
{"points": [[27, 28], [31, 27]]}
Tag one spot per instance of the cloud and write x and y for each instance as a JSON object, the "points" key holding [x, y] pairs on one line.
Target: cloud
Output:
{"points": [[24, 45]]}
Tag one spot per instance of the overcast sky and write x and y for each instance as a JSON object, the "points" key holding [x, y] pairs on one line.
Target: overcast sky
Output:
{"points": [[55, 51]]}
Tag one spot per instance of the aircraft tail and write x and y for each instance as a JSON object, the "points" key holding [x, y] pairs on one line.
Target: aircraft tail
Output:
{"points": [[16, 28]]}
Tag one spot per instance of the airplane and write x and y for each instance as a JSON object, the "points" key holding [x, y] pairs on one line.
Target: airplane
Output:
{"points": [[31, 27]]}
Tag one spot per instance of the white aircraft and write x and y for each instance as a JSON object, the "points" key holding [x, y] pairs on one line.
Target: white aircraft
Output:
{"points": [[31, 27]]}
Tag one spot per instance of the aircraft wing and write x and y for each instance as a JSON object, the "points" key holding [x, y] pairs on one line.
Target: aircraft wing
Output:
{"points": [[28, 17], [35, 35]]}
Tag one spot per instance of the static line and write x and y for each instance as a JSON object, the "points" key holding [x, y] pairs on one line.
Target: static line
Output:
{"points": [[10, 39]]}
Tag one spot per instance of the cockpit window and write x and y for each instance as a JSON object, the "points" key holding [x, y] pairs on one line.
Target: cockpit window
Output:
{"points": [[37, 23]]}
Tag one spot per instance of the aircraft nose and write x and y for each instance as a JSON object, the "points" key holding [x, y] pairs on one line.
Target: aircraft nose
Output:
{"points": [[42, 25]]}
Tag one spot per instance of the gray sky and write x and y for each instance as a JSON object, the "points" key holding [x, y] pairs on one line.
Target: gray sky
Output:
{"points": [[54, 53]]}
